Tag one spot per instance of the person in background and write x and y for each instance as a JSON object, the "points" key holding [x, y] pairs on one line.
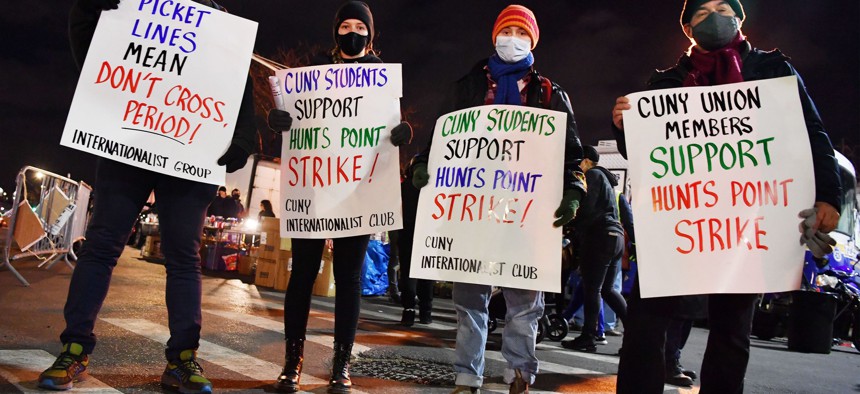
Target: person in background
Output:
{"points": [[122, 191], [266, 210], [720, 54], [600, 239], [223, 206], [409, 287], [237, 198], [508, 77], [353, 34]]}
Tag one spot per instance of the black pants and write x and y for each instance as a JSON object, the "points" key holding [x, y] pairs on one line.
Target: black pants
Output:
{"points": [[349, 253], [642, 365], [121, 190], [600, 257], [409, 287], [676, 338]]}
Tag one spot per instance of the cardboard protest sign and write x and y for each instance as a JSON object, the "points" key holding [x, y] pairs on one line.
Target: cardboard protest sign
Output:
{"points": [[340, 173], [719, 174], [161, 87], [495, 182]]}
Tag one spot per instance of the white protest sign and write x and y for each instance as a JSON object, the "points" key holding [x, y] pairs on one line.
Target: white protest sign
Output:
{"points": [[719, 174], [340, 173], [495, 182], [161, 87]]}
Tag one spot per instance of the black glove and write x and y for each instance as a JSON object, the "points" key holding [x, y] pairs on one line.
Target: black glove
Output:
{"points": [[235, 158], [280, 121], [420, 177], [102, 5], [401, 134]]}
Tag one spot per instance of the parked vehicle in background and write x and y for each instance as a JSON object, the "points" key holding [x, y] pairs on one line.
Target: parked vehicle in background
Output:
{"points": [[836, 274]]}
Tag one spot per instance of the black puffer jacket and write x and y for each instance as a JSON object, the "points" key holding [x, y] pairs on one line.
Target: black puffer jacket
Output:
{"points": [[471, 90], [758, 65], [82, 25], [598, 212]]}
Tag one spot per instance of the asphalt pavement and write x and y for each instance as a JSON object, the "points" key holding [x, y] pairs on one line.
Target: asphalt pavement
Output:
{"points": [[242, 347]]}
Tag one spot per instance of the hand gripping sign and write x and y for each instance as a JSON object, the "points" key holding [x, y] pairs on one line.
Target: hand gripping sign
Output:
{"points": [[719, 174], [161, 87], [495, 181], [340, 173]]}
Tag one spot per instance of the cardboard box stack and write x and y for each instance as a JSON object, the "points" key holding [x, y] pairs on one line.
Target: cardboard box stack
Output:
{"points": [[283, 270], [152, 247], [267, 253], [324, 284]]}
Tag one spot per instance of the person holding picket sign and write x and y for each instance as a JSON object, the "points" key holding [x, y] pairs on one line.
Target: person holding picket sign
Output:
{"points": [[353, 38], [121, 192], [508, 77], [720, 55]]}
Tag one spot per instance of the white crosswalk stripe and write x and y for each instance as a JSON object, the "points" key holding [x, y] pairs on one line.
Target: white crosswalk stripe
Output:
{"points": [[21, 368], [241, 363]]}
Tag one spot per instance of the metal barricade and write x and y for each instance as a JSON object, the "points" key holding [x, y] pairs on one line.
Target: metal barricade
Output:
{"points": [[57, 215]]}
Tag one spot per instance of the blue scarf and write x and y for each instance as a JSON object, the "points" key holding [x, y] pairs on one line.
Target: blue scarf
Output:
{"points": [[506, 76]]}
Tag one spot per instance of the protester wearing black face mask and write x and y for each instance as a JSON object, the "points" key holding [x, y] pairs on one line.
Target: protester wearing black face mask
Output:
{"points": [[353, 39], [720, 55]]}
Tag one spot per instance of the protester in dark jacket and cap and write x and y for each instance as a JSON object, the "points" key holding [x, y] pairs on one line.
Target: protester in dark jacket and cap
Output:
{"points": [[122, 191], [507, 77], [353, 39], [720, 54], [599, 238]]}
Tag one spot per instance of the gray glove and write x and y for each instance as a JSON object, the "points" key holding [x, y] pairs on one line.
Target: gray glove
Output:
{"points": [[820, 244], [809, 216]]}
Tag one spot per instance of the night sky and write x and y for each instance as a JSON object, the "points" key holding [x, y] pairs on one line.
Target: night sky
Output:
{"points": [[595, 49]]}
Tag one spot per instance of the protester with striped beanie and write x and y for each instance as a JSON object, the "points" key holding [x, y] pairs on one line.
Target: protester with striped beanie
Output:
{"points": [[507, 77]]}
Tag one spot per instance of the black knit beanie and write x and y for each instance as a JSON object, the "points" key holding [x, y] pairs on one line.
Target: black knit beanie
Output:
{"points": [[354, 10], [690, 8], [589, 152]]}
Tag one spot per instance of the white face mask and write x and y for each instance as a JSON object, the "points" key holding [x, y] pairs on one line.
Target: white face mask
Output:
{"points": [[512, 49]]}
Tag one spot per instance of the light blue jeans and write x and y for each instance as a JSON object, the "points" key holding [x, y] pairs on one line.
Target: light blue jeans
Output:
{"points": [[608, 314], [524, 308]]}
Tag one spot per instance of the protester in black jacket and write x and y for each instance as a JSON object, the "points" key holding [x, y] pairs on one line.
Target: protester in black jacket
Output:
{"points": [[353, 35], [122, 191], [720, 54], [600, 242]]}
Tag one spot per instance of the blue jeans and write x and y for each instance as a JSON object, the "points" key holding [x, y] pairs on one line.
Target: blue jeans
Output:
{"points": [[524, 308], [121, 190], [609, 317]]}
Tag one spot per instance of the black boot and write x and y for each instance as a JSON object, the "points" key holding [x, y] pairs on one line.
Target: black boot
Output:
{"points": [[408, 318], [288, 381], [425, 316], [339, 382], [674, 376]]}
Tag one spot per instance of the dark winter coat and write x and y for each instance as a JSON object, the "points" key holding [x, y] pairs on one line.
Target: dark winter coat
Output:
{"points": [[471, 90], [758, 65], [82, 25], [323, 59], [598, 211]]}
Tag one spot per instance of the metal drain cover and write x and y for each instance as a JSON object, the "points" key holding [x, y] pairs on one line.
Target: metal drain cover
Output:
{"points": [[397, 368]]}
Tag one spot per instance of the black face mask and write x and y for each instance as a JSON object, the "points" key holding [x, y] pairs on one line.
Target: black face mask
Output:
{"points": [[236, 196], [716, 31], [351, 43]]}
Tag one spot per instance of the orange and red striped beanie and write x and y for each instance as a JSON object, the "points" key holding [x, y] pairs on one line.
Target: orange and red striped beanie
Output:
{"points": [[517, 15]]}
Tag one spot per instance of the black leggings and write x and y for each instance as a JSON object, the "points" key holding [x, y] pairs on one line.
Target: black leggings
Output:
{"points": [[601, 257], [409, 287], [347, 262]]}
